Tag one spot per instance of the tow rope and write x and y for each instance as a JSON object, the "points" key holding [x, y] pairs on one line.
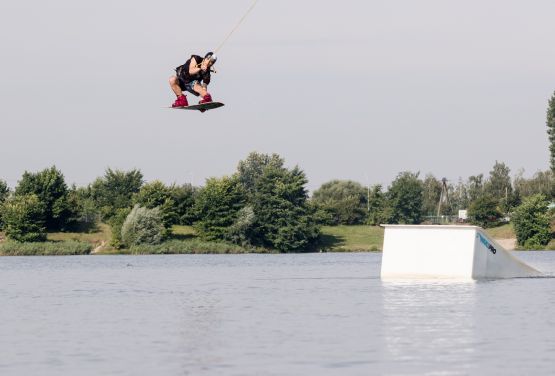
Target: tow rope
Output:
{"points": [[236, 26]]}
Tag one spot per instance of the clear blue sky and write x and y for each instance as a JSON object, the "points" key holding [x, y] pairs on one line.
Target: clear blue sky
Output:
{"points": [[352, 90]]}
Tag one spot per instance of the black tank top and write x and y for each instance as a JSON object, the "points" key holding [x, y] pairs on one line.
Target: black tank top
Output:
{"points": [[185, 76]]}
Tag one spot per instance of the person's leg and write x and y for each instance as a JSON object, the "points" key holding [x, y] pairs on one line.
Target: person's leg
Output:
{"points": [[174, 84], [181, 100], [201, 89]]}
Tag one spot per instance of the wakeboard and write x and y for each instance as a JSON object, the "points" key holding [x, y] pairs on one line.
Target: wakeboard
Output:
{"points": [[201, 107]]}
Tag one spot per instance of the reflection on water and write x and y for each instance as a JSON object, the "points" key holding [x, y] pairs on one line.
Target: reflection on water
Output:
{"points": [[314, 314], [428, 325]]}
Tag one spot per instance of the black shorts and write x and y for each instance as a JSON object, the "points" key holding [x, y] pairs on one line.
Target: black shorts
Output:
{"points": [[188, 86]]}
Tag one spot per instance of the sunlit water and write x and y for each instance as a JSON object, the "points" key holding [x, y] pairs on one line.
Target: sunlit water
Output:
{"points": [[314, 314]]}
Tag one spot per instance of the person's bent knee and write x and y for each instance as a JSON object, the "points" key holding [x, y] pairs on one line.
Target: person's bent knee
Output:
{"points": [[200, 90]]}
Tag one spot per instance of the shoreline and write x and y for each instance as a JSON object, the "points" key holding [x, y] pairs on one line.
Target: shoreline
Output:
{"points": [[46, 249], [339, 239]]}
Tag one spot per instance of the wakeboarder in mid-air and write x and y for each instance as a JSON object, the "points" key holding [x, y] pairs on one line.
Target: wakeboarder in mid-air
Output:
{"points": [[194, 77]]}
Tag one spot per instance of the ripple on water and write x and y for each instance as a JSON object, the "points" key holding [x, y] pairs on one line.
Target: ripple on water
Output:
{"points": [[324, 314]]}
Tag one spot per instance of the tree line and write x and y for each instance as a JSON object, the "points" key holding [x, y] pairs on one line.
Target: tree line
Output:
{"points": [[263, 203]]}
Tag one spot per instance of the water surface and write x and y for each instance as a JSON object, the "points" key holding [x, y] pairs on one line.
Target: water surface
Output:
{"points": [[313, 314]]}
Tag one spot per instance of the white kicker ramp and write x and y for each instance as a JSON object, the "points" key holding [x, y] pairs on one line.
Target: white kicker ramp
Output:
{"points": [[415, 251]]}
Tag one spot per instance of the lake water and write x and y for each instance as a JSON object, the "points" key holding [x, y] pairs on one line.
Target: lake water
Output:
{"points": [[313, 314]]}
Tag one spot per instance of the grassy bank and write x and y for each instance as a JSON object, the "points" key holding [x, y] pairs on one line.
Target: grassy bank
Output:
{"points": [[101, 233], [357, 238], [63, 248], [184, 241], [505, 231], [368, 238]]}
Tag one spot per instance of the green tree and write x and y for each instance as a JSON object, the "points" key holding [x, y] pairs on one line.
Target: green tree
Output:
{"points": [[86, 212], [541, 182], [550, 122], [459, 196], [431, 192], [157, 195], [344, 200], [450, 205], [531, 222], [115, 191], [284, 219], [499, 183], [217, 206], [116, 223], [23, 218], [184, 199], [483, 211], [142, 226], [378, 211], [241, 231], [4, 194], [404, 198], [252, 168], [4, 191], [499, 186], [475, 187], [50, 188]]}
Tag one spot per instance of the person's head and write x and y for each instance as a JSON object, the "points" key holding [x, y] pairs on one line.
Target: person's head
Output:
{"points": [[210, 59]]}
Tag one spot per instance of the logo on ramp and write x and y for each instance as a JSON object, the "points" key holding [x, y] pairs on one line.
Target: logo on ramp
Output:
{"points": [[487, 244]]}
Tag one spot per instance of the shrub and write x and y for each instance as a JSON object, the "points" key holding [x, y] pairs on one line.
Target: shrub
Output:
{"points": [[142, 226], [116, 222], [483, 211], [345, 201], [531, 222], [23, 219], [191, 246], [240, 232], [405, 198], [217, 206], [157, 195], [378, 212]]}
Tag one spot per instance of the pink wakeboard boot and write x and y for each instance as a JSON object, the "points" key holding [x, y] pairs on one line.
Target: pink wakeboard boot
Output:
{"points": [[181, 101], [206, 99]]}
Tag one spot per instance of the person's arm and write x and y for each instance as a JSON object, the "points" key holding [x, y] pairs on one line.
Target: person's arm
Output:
{"points": [[193, 67]]}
